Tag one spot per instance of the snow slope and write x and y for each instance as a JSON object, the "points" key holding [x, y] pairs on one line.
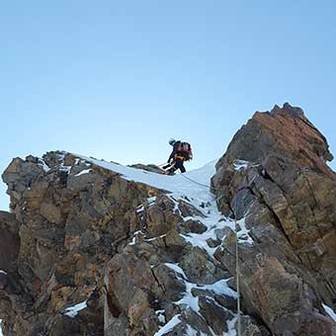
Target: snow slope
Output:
{"points": [[193, 186], [178, 184]]}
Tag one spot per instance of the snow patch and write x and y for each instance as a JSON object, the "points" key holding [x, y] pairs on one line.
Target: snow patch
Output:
{"points": [[330, 312], [73, 310], [192, 332], [161, 316], [177, 269], [85, 171], [243, 233], [42, 164], [140, 208], [220, 287], [214, 221], [135, 235], [240, 165], [176, 206], [151, 200], [1, 334], [189, 300], [64, 168], [154, 238], [199, 240], [231, 327], [169, 326]]}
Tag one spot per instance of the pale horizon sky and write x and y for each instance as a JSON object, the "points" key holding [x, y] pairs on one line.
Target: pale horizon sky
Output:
{"points": [[116, 80]]}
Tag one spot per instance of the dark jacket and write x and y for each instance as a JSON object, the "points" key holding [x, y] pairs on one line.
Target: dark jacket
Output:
{"points": [[175, 152]]}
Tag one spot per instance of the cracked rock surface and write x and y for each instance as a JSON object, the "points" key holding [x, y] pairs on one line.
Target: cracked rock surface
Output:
{"points": [[274, 177]]}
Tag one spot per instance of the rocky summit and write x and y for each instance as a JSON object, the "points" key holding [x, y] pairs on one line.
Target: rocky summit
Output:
{"points": [[96, 248]]}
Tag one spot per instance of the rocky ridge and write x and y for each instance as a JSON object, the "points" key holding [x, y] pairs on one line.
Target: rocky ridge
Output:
{"points": [[284, 192], [96, 248]]}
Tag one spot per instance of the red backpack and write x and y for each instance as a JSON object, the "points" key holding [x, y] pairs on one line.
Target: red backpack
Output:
{"points": [[184, 148]]}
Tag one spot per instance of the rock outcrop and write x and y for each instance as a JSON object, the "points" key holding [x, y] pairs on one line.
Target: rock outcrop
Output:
{"points": [[100, 254], [275, 180], [95, 248]]}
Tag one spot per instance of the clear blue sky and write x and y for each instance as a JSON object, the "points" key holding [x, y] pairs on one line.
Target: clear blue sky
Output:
{"points": [[117, 79]]}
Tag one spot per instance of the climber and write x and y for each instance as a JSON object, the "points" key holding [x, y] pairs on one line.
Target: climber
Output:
{"points": [[181, 152]]}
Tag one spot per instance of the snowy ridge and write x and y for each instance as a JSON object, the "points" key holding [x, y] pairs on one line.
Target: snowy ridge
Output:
{"points": [[194, 188], [177, 184]]}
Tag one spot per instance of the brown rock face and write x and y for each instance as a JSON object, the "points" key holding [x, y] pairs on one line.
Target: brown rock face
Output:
{"points": [[88, 251], [9, 241], [285, 132], [144, 287], [117, 248], [274, 180], [71, 218]]}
